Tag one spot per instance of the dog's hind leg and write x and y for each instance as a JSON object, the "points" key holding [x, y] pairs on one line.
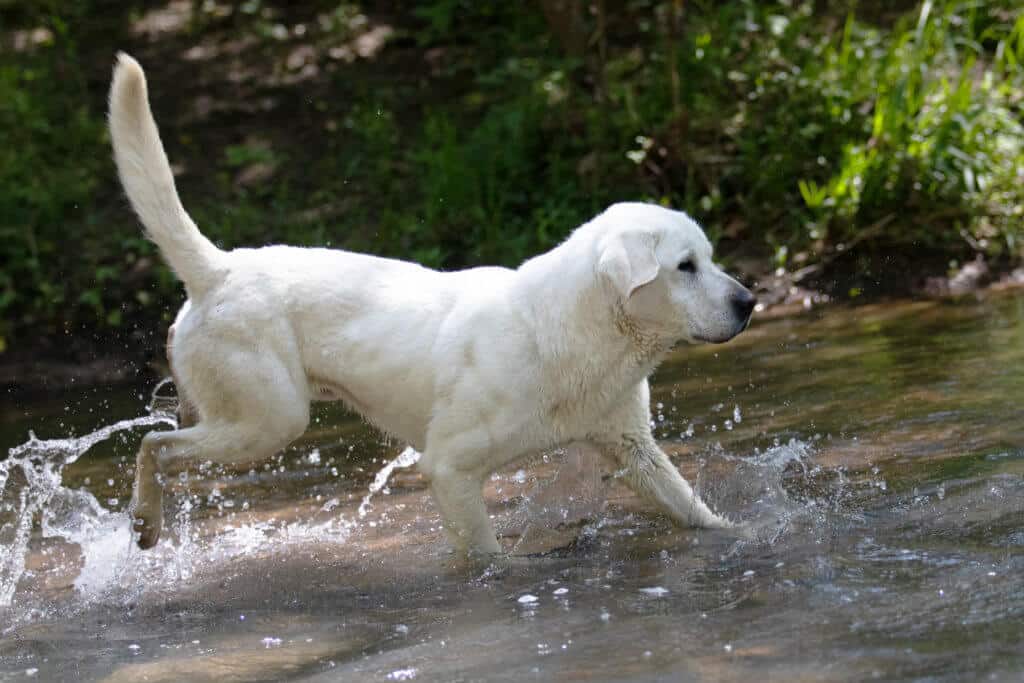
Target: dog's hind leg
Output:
{"points": [[261, 412], [188, 416], [167, 453]]}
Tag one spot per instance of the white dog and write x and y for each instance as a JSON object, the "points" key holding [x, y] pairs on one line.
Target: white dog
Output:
{"points": [[473, 368]]}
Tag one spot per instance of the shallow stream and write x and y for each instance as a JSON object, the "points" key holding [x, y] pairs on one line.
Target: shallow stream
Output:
{"points": [[876, 453]]}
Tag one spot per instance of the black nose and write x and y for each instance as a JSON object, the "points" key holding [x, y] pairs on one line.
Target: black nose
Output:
{"points": [[743, 304]]}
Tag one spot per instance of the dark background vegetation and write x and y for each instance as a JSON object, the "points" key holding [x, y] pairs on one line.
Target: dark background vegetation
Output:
{"points": [[853, 146]]}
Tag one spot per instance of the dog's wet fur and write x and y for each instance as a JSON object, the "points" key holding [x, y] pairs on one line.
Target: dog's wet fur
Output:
{"points": [[474, 368]]}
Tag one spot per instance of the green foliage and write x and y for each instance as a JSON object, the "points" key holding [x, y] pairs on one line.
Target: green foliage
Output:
{"points": [[50, 158], [784, 133], [938, 143], [479, 135]]}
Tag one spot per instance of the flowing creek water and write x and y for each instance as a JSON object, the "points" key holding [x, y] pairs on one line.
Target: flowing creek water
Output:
{"points": [[877, 454]]}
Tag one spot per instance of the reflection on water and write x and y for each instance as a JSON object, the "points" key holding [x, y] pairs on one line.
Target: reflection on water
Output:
{"points": [[876, 456]]}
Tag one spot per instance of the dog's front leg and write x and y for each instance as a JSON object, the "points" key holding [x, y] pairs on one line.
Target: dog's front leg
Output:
{"points": [[460, 498], [653, 477]]}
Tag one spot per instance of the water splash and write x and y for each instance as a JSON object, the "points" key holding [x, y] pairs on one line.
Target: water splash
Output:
{"points": [[112, 569], [31, 486], [406, 458], [32, 492], [560, 505], [752, 490]]}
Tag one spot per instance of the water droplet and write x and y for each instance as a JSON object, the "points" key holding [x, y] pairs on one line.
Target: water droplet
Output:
{"points": [[527, 599], [655, 591], [561, 591]]}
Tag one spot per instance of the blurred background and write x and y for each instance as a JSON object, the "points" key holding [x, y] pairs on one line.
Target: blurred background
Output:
{"points": [[847, 150]]}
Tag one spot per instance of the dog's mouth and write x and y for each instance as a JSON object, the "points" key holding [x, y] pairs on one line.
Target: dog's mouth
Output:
{"points": [[745, 324], [702, 339]]}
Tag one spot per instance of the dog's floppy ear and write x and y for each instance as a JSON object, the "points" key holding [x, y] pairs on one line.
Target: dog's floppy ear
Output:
{"points": [[628, 261]]}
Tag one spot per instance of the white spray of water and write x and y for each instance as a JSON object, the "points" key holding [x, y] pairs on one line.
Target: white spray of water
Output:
{"points": [[406, 458], [30, 485], [31, 488]]}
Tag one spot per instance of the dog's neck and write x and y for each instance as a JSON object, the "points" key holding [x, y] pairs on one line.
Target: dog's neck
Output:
{"points": [[648, 346], [583, 308]]}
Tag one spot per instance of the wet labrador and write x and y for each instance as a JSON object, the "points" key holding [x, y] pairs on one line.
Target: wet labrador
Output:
{"points": [[474, 368]]}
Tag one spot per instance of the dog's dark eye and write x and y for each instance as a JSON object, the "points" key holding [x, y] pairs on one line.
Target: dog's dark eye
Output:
{"points": [[687, 266]]}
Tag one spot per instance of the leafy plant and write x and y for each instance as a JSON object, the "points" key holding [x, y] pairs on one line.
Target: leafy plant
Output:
{"points": [[484, 132]]}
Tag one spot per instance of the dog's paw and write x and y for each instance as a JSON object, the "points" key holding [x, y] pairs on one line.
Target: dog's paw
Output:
{"points": [[717, 521], [148, 532], [147, 521]]}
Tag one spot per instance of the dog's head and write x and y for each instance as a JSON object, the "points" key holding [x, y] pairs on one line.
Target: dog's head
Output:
{"points": [[656, 265]]}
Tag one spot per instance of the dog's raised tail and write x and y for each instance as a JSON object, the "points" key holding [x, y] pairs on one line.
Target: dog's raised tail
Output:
{"points": [[147, 179]]}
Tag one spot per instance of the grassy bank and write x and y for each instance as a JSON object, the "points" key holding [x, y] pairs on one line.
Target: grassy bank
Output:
{"points": [[853, 143]]}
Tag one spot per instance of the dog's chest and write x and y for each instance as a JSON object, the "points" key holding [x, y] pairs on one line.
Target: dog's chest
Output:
{"points": [[581, 409], [585, 399]]}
